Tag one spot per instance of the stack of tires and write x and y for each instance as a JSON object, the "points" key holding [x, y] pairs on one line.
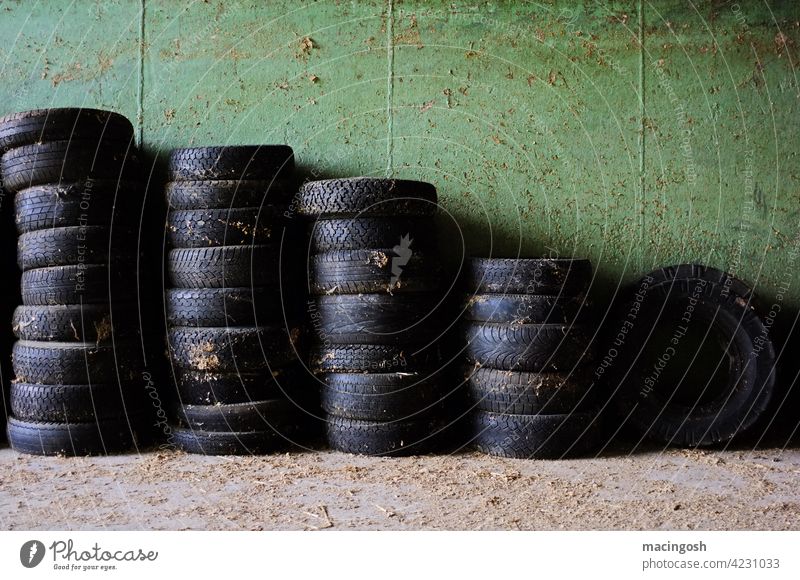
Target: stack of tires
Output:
{"points": [[529, 350], [373, 275], [77, 359], [232, 338]]}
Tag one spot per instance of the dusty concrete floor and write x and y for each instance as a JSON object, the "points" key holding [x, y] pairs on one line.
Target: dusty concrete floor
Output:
{"points": [[672, 489]]}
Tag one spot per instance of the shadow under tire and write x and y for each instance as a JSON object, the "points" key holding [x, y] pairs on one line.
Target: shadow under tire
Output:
{"points": [[90, 438]]}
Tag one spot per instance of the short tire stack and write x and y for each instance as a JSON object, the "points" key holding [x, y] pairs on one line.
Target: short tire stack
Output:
{"points": [[232, 347], [77, 359], [529, 351], [373, 275]]}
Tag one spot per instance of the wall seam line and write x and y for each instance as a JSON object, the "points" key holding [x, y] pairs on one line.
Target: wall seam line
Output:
{"points": [[642, 149], [390, 89], [140, 99]]}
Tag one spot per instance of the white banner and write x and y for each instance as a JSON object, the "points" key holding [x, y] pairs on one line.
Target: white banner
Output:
{"points": [[401, 555]]}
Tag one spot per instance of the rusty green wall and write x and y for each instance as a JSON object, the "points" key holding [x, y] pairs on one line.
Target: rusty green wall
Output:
{"points": [[638, 134]]}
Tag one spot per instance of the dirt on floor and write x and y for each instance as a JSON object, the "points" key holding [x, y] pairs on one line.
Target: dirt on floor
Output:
{"points": [[672, 489]]}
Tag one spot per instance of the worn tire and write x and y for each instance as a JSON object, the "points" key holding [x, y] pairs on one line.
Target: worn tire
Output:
{"points": [[528, 347], [394, 438], [375, 358], [72, 439], [563, 277], [721, 309], [73, 363], [81, 323], [74, 245], [57, 162], [224, 266], [68, 124], [81, 284], [103, 203], [376, 396], [237, 162], [371, 272], [525, 393], [375, 318], [212, 443], [206, 388], [70, 403], [231, 349], [329, 235], [222, 194], [241, 417], [535, 436], [367, 197], [523, 308], [224, 227], [223, 306]]}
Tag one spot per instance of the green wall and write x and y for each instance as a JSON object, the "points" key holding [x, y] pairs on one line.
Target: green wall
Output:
{"points": [[635, 133]]}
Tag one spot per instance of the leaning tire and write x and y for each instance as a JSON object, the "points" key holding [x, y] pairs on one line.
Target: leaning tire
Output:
{"points": [[70, 403], [523, 308], [81, 323], [74, 245], [222, 194], [274, 414], [224, 227], [72, 363], [677, 300], [375, 358], [223, 306], [81, 284], [207, 388], [227, 443]]}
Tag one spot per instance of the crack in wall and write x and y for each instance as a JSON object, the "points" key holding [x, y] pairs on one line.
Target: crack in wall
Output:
{"points": [[642, 128], [140, 96]]}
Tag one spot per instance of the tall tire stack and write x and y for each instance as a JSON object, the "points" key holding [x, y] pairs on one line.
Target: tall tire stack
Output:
{"points": [[232, 339], [77, 360], [529, 352], [373, 275]]}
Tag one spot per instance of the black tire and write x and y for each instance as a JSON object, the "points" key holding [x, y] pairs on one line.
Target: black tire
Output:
{"points": [[72, 439], [98, 203], [563, 277], [224, 266], [74, 245], [523, 308], [70, 403], [535, 436], [223, 306], [371, 272], [375, 358], [225, 227], [329, 235], [222, 194], [231, 349], [81, 284], [82, 323], [205, 388], [394, 438], [241, 417], [257, 162], [211, 443], [666, 317], [374, 318], [528, 347], [73, 363], [67, 124], [66, 161], [377, 396], [524, 393], [367, 197]]}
